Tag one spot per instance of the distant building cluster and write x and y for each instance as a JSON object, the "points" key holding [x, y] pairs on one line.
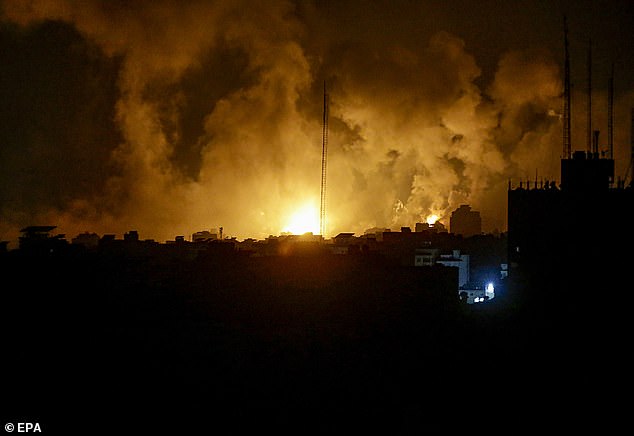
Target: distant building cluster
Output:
{"points": [[477, 258]]}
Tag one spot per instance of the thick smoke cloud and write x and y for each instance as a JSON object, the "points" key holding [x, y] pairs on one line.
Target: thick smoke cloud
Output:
{"points": [[173, 117]]}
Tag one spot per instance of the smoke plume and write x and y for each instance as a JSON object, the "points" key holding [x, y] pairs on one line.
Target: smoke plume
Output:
{"points": [[173, 117]]}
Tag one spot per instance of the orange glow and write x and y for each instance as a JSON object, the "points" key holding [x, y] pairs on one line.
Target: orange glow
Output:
{"points": [[303, 220], [431, 219]]}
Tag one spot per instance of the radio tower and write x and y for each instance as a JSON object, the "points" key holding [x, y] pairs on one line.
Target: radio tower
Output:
{"points": [[632, 150], [589, 119], [611, 114], [566, 135], [324, 160]]}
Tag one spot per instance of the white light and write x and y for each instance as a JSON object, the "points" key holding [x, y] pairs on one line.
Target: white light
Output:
{"points": [[490, 288], [305, 219]]}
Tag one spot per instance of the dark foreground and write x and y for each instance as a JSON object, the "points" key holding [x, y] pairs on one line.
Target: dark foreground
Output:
{"points": [[313, 344]]}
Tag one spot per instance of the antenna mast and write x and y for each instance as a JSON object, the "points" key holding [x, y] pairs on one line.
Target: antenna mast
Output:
{"points": [[632, 149], [589, 133], [611, 114], [324, 159], [566, 151]]}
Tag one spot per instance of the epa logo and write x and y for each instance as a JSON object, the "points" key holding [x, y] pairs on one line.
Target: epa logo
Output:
{"points": [[23, 427]]}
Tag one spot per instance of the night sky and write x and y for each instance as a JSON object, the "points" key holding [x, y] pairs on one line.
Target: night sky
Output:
{"points": [[172, 117]]}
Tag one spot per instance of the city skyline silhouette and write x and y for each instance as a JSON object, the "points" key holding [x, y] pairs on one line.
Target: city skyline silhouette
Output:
{"points": [[162, 210]]}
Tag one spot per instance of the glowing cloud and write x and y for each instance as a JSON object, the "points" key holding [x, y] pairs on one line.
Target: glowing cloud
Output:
{"points": [[216, 122], [431, 219], [304, 220]]}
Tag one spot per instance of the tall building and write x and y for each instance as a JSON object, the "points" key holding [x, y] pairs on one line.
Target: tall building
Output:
{"points": [[568, 242], [569, 277], [574, 233], [465, 222]]}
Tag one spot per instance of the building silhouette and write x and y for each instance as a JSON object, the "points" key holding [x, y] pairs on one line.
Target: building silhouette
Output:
{"points": [[37, 239], [465, 222], [551, 234]]}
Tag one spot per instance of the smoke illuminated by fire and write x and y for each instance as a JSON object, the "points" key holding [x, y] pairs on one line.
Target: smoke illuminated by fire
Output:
{"points": [[216, 121], [431, 219], [304, 220]]}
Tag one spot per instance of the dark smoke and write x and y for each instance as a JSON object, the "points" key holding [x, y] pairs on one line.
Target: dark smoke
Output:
{"points": [[170, 117]]}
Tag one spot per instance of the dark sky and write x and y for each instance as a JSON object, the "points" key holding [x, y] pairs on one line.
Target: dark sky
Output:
{"points": [[173, 117]]}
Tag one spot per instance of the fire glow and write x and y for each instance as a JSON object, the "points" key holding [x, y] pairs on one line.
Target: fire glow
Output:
{"points": [[173, 152], [303, 220], [431, 219]]}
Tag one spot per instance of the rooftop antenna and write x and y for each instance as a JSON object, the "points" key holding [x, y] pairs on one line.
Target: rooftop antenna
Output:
{"points": [[324, 159], [611, 114], [566, 135], [589, 133], [632, 149]]}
